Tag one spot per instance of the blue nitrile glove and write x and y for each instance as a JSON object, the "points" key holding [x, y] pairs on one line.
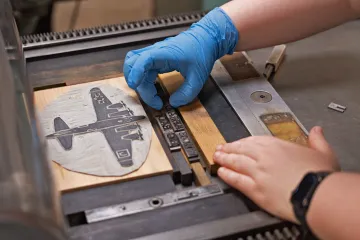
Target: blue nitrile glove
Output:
{"points": [[192, 53]]}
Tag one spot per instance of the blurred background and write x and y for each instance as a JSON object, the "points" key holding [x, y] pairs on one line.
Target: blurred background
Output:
{"points": [[38, 16]]}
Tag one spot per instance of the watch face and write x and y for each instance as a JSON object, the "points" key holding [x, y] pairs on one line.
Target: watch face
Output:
{"points": [[301, 193]]}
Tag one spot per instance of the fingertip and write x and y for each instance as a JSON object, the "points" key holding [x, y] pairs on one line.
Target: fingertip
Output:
{"points": [[219, 147], [157, 103], [216, 156], [221, 171], [174, 102], [227, 175], [317, 129], [153, 101]]}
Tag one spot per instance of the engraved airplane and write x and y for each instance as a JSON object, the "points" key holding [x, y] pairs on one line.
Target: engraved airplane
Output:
{"points": [[116, 121]]}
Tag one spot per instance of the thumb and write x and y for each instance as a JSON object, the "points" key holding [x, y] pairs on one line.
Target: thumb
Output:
{"points": [[318, 142]]}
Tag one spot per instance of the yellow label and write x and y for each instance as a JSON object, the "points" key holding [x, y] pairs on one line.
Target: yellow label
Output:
{"points": [[284, 126]]}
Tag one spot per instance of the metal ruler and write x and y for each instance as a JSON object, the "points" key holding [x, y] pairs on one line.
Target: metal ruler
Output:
{"points": [[255, 101]]}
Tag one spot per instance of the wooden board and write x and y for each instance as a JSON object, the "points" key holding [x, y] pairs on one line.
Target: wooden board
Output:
{"points": [[201, 179], [155, 164], [197, 120]]}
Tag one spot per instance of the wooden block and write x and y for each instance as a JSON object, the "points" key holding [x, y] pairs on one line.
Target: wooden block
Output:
{"points": [[201, 179], [155, 164], [197, 120]]}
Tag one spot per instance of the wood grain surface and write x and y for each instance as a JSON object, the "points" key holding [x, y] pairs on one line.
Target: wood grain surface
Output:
{"points": [[201, 179], [199, 123], [155, 164]]}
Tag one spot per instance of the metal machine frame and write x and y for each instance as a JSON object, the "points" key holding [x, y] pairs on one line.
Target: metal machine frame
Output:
{"points": [[228, 215]]}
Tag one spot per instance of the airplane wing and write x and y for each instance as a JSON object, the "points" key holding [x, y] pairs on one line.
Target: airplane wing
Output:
{"points": [[105, 109], [120, 144]]}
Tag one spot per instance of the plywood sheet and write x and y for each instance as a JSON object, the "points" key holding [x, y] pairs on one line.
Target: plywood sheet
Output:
{"points": [[156, 162], [197, 120]]}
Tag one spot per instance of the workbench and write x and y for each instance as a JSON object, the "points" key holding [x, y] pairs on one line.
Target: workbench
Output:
{"points": [[316, 71]]}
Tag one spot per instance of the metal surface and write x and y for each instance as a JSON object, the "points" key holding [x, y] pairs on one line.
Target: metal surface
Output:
{"points": [[239, 95], [138, 206], [177, 138], [319, 70], [275, 60], [174, 130], [277, 56], [151, 113], [228, 228], [192, 213], [186, 174], [221, 113], [269, 71], [308, 81], [104, 36], [337, 107], [29, 201], [73, 202]]}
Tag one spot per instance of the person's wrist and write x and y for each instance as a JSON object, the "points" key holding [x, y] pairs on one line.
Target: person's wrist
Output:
{"points": [[302, 196], [314, 216], [219, 27]]}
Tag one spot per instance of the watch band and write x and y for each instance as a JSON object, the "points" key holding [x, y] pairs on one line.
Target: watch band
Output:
{"points": [[303, 194]]}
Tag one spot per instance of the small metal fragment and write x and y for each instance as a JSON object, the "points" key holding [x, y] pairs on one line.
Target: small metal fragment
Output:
{"points": [[337, 107]]}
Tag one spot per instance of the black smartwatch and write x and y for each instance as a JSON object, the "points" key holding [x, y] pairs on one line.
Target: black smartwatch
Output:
{"points": [[302, 195]]}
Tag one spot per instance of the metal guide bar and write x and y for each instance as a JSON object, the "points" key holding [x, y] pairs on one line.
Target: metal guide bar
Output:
{"points": [[250, 99], [110, 31], [148, 204]]}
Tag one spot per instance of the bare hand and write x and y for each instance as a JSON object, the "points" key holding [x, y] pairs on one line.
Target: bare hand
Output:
{"points": [[267, 169]]}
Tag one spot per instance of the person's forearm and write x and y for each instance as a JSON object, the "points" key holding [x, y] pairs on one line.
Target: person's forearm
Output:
{"points": [[334, 211], [263, 23]]}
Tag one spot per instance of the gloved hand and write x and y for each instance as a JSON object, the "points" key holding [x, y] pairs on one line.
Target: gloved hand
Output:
{"points": [[192, 53]]}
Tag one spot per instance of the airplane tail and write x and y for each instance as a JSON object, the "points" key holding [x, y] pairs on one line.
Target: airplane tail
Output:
{"points": [[65, 141]]}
